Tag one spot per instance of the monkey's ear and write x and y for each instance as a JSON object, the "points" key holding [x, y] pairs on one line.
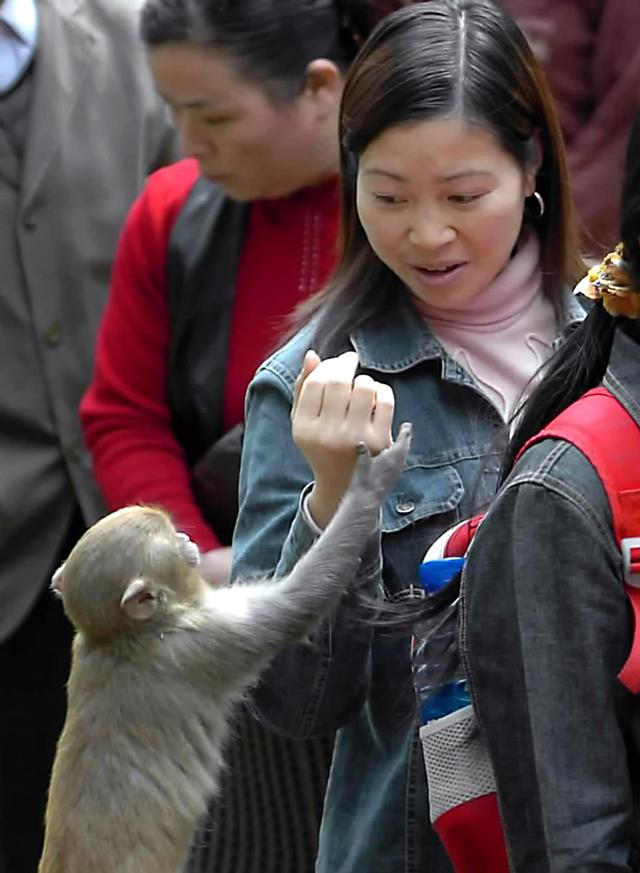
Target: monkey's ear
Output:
{"points": [[56, 581], [139, 601]]}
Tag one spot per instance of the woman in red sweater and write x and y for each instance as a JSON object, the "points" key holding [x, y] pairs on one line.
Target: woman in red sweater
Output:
{"points": [[214, 255]]}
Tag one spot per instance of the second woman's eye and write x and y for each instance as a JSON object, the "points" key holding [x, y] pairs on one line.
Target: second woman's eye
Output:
{"points": [[212, 121], [388, 199], [464, 198]]}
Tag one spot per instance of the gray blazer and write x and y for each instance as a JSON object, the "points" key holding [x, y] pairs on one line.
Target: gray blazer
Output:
{"points": [[95, 130]]}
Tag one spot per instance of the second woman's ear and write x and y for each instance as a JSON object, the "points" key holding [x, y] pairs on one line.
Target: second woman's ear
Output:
{"points": [[324, 85]]}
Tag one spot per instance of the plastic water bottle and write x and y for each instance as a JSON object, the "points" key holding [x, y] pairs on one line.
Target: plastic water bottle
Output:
{"points": [[433, 647], [463, 805]]}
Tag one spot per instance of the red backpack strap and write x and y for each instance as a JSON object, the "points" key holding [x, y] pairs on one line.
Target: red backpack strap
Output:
{"points": [[602, 429]]}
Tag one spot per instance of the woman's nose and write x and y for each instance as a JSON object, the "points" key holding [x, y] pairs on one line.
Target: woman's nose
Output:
{"points": [[430, 231], [194, 143]]}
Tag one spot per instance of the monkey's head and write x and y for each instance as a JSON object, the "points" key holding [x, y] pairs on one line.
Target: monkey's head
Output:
{"points": [[131, 571]]}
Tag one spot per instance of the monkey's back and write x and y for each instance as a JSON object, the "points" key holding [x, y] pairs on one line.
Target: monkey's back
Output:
{"points": [[137, 759]]}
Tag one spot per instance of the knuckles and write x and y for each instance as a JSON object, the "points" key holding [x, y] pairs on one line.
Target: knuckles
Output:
{"points": [[339, 441]]}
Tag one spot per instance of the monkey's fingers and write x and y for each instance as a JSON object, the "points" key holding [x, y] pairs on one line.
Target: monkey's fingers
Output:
{"points": [[390, 463], [188, 549], [56, 581]]}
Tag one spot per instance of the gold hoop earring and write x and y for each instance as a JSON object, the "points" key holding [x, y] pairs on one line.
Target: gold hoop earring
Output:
{"points": [[540, 203]]}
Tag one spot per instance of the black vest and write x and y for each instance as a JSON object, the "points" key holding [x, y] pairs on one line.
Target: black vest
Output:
{"points": [[202, 264]]}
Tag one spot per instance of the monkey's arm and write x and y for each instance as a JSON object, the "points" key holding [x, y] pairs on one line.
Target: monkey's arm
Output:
{"points": [[309, 690], [250, 623]]}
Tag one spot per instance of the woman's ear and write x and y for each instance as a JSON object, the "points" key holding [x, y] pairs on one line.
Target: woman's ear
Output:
{"points": [[323, 86], [534, 167]]}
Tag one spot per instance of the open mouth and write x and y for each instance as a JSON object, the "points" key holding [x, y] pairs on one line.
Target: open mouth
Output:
{"points": [[441, 274], [446, 268]]}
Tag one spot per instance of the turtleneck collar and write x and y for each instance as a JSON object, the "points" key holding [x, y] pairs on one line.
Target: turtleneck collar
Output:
{"points": [[505, 333], [502, 301], [324, 197]]}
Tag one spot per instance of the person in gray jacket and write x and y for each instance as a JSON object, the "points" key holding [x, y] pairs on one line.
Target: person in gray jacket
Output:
{"points": [[80, 128]]}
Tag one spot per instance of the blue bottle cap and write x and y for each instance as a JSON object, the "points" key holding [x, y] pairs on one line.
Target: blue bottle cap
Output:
{"points": [[435, 574]]}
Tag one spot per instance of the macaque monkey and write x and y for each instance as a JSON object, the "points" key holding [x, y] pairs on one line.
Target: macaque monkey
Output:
{"points": [[159, 659]]}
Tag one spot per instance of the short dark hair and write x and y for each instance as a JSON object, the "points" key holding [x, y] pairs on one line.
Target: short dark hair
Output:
{"points": [[271, 41], [439, 58]]}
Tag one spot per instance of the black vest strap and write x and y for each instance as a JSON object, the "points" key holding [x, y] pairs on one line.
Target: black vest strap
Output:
{"points": [[202, 263]]}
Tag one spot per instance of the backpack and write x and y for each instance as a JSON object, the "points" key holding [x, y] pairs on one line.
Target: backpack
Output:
{"points": [[601, 428], [468, 820]]}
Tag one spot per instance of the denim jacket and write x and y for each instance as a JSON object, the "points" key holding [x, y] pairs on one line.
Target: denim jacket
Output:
{"points": [[545, 631], [352, 679]]}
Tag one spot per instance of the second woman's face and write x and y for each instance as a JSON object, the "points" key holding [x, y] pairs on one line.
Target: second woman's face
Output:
{"points": [[441, 203], [250, 145]]}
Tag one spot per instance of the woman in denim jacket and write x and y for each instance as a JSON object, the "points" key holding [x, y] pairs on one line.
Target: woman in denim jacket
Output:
{"points": [[458, 247], [547, 622]]}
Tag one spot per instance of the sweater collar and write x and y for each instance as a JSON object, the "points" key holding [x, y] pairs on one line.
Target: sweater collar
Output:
{"points": [[399, 338], [502, 302], [323, 197]]}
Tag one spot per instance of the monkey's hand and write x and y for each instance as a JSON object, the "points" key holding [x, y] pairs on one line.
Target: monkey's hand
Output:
{"points": [[189, 550], [215, 566], [374, 475]]}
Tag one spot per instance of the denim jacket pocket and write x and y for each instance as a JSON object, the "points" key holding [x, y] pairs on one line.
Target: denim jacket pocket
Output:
{"points": [[423, 490], [422, 504]]}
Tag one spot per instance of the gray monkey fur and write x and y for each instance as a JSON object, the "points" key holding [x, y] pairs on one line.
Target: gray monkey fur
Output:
{"points": [[160, 659]]}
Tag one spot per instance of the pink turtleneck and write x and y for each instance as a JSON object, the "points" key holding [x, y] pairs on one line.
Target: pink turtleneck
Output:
{"points": [[505, 333]]}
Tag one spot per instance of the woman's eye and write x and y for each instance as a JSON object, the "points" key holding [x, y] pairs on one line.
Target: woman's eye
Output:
{"points": [[464, 198], [214, 122], [388, 199]]}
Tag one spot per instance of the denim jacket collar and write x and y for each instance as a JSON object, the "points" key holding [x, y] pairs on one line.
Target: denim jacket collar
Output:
{"points": [[401, 338], [396, 340], [623, 373]]}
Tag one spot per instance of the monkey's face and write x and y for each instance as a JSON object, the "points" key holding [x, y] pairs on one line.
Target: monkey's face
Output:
{"points": [[129, 571]]}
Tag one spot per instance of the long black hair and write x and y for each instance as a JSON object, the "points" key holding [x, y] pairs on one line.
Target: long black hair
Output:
{"points": [[577, 366], [465, 58], [581, 362], [272, 42]]}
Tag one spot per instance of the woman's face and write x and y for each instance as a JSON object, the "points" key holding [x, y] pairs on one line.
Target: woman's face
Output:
{"points": [[441, 203], [250, 145]]}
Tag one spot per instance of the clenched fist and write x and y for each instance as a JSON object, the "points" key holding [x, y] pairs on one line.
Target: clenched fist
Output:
{"points": [[333, 411]]}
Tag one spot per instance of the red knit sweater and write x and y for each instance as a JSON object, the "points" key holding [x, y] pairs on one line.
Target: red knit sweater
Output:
{"points": [[287, 254]]}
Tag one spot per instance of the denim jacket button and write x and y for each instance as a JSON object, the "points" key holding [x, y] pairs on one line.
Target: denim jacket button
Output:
{"points": [[404, 507]]}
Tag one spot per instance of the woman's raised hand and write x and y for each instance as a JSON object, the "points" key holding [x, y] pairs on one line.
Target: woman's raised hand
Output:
{"points": [[333, 411]]}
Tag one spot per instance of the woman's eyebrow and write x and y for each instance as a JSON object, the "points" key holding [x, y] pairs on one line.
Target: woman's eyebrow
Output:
{"points": [[376, 171], [448, 177], [461, 174]]}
